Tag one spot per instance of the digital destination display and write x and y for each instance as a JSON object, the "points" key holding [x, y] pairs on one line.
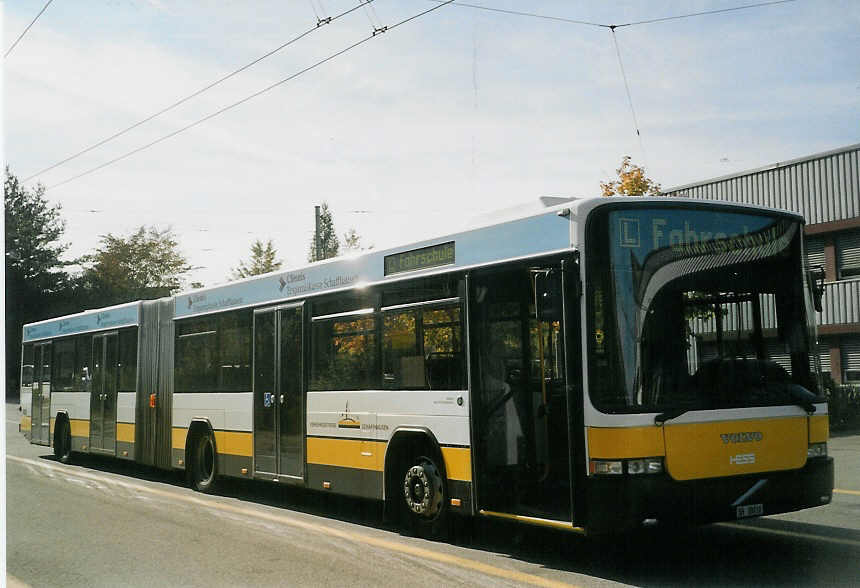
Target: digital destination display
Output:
{"points": [[419, 259]]}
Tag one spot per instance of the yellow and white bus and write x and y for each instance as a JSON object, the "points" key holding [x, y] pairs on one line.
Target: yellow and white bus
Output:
{"points": [[591, 365]]}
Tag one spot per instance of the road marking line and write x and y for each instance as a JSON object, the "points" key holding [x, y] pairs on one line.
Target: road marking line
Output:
{"points": [[784, 533], [13, 582], [841, 491], [420, 552]]}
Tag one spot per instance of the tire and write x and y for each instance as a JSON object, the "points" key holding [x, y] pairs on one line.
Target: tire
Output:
{"points": [[423, 498], [63, 441], [204, 464]]}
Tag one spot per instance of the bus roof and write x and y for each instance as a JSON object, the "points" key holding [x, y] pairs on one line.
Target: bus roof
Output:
{"points": [[546, 227]]}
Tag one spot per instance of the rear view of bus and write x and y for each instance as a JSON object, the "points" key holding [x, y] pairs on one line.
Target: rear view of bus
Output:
{"points": [[704, 394]]}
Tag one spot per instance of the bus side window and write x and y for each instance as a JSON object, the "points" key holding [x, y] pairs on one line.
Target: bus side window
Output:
{"points": [[27, 366], [422, 349]]}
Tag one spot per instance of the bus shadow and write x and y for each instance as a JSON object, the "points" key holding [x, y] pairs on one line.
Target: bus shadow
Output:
{"points": [[764, 551], [760, 552]]}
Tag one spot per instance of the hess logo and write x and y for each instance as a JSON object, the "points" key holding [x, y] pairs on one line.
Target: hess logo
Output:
{"points": [[748, 437]]}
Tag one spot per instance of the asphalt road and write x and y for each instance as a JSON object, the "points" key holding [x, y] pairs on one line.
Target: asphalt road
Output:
{"points": [[107, 523]]}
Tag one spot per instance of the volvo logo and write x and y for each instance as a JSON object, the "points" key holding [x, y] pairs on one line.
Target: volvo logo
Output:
{"points": [[741, 437]]}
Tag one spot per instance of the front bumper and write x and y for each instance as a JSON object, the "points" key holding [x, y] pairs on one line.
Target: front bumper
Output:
{"points": [[625, 502]]}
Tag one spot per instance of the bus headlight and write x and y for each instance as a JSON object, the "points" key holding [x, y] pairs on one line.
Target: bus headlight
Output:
{"points": [[603, 466], [648, 465], [817, 450]]}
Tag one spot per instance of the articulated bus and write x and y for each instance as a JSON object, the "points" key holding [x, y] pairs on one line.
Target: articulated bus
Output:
{"points": [[591, 365]]}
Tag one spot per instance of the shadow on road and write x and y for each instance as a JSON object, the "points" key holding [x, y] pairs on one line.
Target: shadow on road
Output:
{"points": [[759, 551]]}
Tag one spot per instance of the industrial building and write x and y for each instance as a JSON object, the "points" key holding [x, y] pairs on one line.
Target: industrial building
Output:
{"points": [[825, 189]]}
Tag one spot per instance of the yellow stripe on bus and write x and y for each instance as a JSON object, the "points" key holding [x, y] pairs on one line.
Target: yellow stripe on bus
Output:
{"points": [[178, 435], [458, 463], [819, 428], [346, 453], [625, 442], [80, 427], [227, 442], [125, 432], [234, 443]]}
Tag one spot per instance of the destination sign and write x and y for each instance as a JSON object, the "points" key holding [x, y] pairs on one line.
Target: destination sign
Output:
{"points": [[418, 259]]}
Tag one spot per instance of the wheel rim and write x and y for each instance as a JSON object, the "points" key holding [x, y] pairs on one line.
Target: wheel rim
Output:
{"points": [[423, 489]]}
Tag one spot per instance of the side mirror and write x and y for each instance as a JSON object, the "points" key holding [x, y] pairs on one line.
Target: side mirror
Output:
{"points": [[816, 277]]}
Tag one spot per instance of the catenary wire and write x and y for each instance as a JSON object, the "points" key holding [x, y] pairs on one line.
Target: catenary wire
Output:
{"points": [[320, 23], [617, 26], [21, 36], [627, 89], [249, 97], [705, 13]]}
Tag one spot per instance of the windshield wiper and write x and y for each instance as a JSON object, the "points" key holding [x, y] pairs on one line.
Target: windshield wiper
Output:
{"points": [[802, 397]]}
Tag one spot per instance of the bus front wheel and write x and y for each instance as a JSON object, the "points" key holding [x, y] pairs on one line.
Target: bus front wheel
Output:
{"points": [[422, 496]]}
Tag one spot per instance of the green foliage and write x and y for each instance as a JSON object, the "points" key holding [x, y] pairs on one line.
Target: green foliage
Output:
{"points": [[35, 280], [263, 260], [352, 241], [33, 231], [144, 265], [843, 403], [631, 181], [329, 243]]}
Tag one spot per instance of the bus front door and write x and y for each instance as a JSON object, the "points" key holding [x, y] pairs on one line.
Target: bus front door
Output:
{"points": [[103, 394], [278, 393], [519, 397], [40, 411]]}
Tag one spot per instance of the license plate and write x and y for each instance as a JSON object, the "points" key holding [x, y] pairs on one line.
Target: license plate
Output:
{"points": [[750, 510]]}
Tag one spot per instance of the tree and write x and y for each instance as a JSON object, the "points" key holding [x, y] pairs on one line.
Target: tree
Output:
{"points": [[352, 241], [632, 181], [147, 264], [329, 245], [262, 261], [35, 280]]}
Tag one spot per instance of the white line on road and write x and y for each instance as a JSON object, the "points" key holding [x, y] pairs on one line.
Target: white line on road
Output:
{"points": [[378, 542]]}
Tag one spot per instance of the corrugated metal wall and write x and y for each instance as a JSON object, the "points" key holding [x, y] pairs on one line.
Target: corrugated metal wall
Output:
{"points": [[822, 188], [841, 303]]}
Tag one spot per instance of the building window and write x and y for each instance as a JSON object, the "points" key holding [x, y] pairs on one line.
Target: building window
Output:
{"points": [[848, 254]]}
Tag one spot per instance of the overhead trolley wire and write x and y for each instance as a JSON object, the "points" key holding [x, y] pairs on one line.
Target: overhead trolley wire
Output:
{"points": [[616, 26], [21, 36], [704, 13], [531, 14], [612, 28], [627, 89], [320, 23], [250, 96]]}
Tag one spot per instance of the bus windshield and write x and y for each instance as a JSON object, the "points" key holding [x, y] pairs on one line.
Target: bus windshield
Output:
{"points": [[697, 309]]}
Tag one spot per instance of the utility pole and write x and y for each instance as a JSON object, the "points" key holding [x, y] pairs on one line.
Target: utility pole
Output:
{"points": [[317, 245]]}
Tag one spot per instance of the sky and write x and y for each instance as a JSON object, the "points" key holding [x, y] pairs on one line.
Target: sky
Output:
{"points": [[415, 132]]}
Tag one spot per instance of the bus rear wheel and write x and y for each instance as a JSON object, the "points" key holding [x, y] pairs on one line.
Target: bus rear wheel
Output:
{"points": [[204, 469], [63, 441]]}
